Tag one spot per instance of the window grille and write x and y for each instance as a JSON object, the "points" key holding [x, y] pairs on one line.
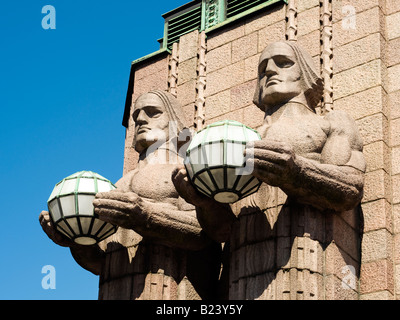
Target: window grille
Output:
{"points": [[182, 22], [235, 7], [206, 14]]}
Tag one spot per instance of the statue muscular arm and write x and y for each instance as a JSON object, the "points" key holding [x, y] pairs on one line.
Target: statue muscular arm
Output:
{"points": [[214, 217], [335, 182], [90, 258], [171, 222], [162, 222], [173, 225]]}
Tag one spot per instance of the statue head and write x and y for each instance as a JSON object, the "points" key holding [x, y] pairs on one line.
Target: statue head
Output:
{"points": [[286, 71], [158, 116]]}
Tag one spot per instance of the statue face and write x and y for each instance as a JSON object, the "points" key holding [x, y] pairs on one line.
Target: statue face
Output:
{"points": [[151, 121], [280, 75]]}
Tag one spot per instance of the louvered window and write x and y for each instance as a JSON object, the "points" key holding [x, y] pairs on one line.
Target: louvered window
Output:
{"points": [[205, 14], [182, 22], [235, 7]]}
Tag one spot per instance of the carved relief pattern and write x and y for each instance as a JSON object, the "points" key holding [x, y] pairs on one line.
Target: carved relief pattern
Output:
{"points": [[173, 70], [212, 12], [201, 83], [326, 54], [291, 21], [280, 258]]}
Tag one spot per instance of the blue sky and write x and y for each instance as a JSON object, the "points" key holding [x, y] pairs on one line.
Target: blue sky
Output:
{"points": [[62, 95]]}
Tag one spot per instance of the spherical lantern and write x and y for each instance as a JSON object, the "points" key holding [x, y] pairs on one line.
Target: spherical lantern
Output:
{"points": [[215, 161], [71, 209]]}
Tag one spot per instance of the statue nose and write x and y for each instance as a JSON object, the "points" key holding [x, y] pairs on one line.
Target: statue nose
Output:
{"points": [[271, 68], [141, 118]]}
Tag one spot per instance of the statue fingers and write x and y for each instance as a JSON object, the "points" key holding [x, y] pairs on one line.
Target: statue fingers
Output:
{"points": [[51, 231], [44, 217], [179, 174], [265, 165], [272, 179], [181, 181], [118, 196], [177, 171], [123, 214], [266, 171], [272, 156], [46, 223], [272, 145], [111, 209], [122, 203]]}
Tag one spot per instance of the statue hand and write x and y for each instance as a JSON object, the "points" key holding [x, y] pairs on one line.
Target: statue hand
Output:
{"points": [[125, 209], [51, 231], [214, 217], [273, 162], [185, 188]]}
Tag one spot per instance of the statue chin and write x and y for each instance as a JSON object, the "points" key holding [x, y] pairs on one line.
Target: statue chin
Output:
{"points": [[141, 146], [277, 98]]}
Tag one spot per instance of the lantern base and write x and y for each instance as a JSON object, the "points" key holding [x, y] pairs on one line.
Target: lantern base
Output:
{"points": [[226, 197], [86, 241]]}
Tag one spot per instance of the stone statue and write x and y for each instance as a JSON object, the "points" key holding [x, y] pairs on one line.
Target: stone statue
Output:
{"points": [[279, 241], [316, 160], [159, 251]]}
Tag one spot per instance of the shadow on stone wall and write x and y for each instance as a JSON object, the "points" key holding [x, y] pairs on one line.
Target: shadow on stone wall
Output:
{"points": [[295, 251]]}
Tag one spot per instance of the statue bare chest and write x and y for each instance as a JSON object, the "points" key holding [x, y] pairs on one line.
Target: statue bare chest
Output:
{"points": [[307, 136], [153, 181]]}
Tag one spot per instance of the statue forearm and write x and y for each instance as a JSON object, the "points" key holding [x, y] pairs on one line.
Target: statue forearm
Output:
{"points": [[325, 186], [173, 228], [159, 221], [216, 219], [90, 258], [336, 183]]}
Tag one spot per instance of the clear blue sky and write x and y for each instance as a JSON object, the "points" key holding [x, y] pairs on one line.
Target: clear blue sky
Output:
{"points": [[62, 95]]}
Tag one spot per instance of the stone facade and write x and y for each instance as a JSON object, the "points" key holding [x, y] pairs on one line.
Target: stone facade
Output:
{"points": [[356, 44]]}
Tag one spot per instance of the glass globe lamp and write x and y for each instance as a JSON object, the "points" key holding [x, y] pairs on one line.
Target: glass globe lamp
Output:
{"points": [[71, 209], [215, 162]]}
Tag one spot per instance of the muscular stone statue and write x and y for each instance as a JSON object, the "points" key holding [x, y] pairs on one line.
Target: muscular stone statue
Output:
{"points": [[277, 250], [160, 250], [317, 161]]}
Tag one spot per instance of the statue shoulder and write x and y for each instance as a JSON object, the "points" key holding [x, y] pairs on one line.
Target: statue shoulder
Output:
{"points": [[342, 124], [340, 119], [125, 182]]}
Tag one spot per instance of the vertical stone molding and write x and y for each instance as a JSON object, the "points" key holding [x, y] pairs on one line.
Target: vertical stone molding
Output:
{"points": [[291, 20], [326, 55], [188, 74], [201, 83], [173, 70]]}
